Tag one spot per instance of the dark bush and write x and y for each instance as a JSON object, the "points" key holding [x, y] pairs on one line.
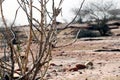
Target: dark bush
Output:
{"points": [[88, 33], [102, 28]]}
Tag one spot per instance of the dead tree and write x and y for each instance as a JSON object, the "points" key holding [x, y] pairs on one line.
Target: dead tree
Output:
{"points": [[36, 62]]}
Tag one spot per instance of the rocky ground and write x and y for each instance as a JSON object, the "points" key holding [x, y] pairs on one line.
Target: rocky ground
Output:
{"points": [[87, 59]]}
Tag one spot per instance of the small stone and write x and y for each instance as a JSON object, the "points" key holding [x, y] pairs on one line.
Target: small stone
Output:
{"points": [[89, 65], [54, 71], [48, 75], [80, 66], [64, 69], [53, 64], [60, 65], [73, 69], [62, 51], [80, 72]]}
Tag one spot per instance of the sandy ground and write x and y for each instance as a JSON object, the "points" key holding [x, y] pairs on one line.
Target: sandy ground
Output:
{"points": [[106, 64]]}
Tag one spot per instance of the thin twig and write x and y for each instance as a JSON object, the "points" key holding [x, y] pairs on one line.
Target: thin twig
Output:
{"points": [[69, 24]]}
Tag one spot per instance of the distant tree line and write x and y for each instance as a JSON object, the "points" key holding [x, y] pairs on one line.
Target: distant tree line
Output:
{"points": [[96, 11], [99, 12]]}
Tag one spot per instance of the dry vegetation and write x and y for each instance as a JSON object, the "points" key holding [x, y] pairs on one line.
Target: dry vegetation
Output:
{"points": [[27, 57], [35, 52]]}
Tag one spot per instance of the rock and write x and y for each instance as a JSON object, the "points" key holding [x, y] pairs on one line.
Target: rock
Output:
{"points": [[62, 51], [64, 69], [54, 71], [48, 75], [73, 69], [89, 65], [80, 72], [80, 66], [61, 65], [53, 64], [77, 67]]}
